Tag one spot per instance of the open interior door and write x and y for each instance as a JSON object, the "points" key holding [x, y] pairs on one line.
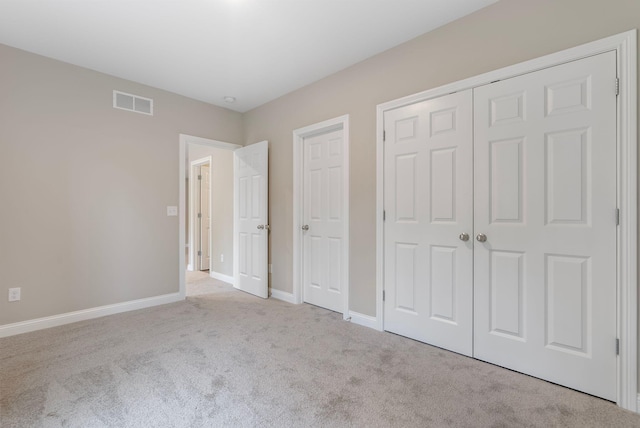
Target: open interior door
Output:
{"points": [[251, 228]]}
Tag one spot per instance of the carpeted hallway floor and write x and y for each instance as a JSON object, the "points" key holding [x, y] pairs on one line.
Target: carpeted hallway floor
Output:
{"points": [[230, 359]]}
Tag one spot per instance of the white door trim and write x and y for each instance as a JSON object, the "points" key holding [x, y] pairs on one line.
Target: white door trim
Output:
{"points": [[184, 140], [194, 263], [299, 135], [625, 44]]}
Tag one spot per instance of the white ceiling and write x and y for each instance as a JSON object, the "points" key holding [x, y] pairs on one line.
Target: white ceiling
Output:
{"points": [[253, 50]]}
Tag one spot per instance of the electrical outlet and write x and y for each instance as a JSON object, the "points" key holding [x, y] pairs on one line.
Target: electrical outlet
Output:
{"points": [[14, 294], [172, 211], [221, 258]]}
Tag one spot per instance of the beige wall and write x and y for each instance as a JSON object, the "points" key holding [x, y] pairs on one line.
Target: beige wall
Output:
{"points": [[505, 33], [222, 204], [84, 187]]}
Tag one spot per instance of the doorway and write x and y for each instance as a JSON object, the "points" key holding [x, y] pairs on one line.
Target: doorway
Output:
{"points": [[194, 154]]}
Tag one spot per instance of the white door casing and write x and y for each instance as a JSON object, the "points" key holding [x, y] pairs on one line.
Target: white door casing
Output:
{"points": [[428, 208], [205, 216], [251, 229], [323, 228], [545, 197]]}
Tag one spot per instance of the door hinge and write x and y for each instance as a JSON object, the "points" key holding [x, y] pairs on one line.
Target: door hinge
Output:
{"points": [[617, 216], [384, 215], [617, 86], [199, 215], [383, 295], [617, 346], [199, 253], [384, 135], [199, 177]]}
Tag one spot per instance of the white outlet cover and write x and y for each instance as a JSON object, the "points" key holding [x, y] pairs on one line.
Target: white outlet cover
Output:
{"points": [[172, 211]]}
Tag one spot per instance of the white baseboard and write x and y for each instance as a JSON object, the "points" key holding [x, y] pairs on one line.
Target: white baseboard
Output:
{"points": [[282, 295], [364, 320], [222, 277], [638, 404], [86, 314]]}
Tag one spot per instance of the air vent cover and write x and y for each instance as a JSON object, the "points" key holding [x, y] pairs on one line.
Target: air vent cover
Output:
{"points": [[130, 102]]}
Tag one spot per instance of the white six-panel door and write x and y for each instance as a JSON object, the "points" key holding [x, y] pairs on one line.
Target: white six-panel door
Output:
{"points": [[545, 197], [534, 185], [251, 228], [323, 240], [428, 205]]}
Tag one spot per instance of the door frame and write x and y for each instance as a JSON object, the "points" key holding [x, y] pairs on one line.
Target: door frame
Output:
{"points": [[183, 142], [625, 45], [341, 122], [194, 263]]}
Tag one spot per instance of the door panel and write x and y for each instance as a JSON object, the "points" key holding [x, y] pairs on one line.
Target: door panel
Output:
{"points": [[506, 181], [545, 197], [323, 242], [428, 204], [507, 293], [251, 219], [442, 284]]}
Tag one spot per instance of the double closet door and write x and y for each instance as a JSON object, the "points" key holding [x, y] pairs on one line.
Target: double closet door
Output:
{"points": [[500, 231]]}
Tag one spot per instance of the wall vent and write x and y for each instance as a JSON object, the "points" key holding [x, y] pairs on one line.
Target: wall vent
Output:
{"points": [[130, 102]]}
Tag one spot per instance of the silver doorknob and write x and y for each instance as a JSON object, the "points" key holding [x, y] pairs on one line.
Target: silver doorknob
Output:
{"points": [[481, 237], [464, 237], [305, 227], [260, 226], [267, 227]]}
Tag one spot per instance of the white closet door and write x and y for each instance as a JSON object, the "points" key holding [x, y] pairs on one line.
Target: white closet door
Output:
{"points": [[545, 197], [428, 204], [323, 242]]}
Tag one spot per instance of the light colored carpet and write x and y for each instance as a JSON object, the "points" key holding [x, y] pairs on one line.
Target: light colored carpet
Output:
{"points": [[199, 283], [230, 359]]}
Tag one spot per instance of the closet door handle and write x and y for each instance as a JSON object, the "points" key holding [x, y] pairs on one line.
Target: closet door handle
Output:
{"points": [[260, 226], [464, 237], [305, 227], [481, 237]]}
